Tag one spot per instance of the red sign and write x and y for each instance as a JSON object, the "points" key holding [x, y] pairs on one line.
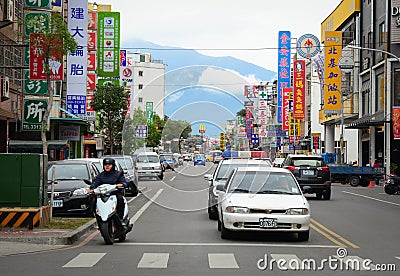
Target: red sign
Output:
{"points": [[396, 122], [91, 62], [89, 99], [92, 41], [37, 48], [92, 20], [286, 108], [91, 82], [299, 89]]}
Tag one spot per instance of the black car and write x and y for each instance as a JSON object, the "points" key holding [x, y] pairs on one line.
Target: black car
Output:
{"points": [[71, 179], [311, 171]]}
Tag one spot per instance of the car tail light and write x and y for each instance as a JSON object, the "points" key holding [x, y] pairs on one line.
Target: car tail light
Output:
{"points": [[292, 168], [324, 169]]}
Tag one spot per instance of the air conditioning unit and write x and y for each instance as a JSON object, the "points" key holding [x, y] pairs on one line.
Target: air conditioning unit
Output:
{"points": [[5, 88], [10, 9]]}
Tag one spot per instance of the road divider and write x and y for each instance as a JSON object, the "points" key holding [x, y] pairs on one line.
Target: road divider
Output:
{"points": [[330, 235]]}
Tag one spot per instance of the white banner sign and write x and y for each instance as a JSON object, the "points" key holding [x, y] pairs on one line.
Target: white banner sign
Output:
{"points": [[70, 133], [77, 61]]}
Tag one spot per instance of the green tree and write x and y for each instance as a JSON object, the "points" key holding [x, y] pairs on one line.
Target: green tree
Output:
{"points": [[111, 103], [241, 113], [176, 129], [57, 39]]}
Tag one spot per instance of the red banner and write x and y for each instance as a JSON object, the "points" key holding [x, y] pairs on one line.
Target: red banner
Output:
{"points": [[37, 49], [91, 82], [396, 122], [89, 98], [92, 41], [92, 20], [91, 62], [299, 89], [286, 108]]}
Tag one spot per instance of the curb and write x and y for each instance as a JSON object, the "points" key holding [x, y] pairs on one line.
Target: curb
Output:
{"points": [[65, 239]]}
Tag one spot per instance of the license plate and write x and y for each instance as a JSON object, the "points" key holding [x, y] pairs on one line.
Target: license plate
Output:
{"points": [[268, 223], [57, 203], [308, 172]]}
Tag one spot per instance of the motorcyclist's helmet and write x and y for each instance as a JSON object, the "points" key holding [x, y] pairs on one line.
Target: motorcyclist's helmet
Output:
{"points": [[109, 160]]}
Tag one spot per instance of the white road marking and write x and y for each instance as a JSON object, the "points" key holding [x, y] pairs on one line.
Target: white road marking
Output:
{"points": [[397, 258], [226, 244], [85, 260], [376, 199], [144, 207], [154, 260], [172, 179], [222, 261]]}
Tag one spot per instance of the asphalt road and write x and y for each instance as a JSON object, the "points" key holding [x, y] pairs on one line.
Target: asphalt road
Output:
{"points": [[173, 236]]}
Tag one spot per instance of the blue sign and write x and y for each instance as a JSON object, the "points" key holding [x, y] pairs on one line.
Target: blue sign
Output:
{"points": [[76, 104], [249, 129], [284, 56], [141, 131], [278, 142], [255, 139]]}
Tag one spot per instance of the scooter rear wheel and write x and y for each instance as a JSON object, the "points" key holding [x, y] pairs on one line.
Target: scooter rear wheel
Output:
{"points": [[107, 231]]}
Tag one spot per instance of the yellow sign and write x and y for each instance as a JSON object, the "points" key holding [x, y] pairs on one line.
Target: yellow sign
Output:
{"points": [[333, 75], [222, 140], [342, 12]]}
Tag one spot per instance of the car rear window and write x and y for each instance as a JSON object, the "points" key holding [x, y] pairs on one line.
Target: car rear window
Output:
{"points": [[225, 169], [69, 171], [312, 162], [148, 159]]}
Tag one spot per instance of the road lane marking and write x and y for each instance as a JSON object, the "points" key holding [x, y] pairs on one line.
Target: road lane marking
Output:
{"points": [[327, 236], [154, 260], [397, 258], [222, 261], [333, 233], [355, 263], [144, 207], [85, 260], [226, 244], [376, 199], [172, 179]]}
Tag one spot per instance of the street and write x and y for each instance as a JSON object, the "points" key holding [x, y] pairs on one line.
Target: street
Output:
{"points": [[173, 236]]}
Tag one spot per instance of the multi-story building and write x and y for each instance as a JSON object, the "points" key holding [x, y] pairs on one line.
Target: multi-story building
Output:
{"points": [[148, 83]]}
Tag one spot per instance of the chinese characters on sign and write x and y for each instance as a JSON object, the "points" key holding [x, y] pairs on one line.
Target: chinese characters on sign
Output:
{"points": [[34, 87], [332, 87], [287, 101], [284, 49], [149, 112], [396, 122], [37, 4], [141, 131], [299, 89], [77, 61], [108, 44], [76, 104], [33, 112]]}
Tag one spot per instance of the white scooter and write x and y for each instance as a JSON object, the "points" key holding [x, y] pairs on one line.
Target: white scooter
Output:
{"points": [[107, 218]]}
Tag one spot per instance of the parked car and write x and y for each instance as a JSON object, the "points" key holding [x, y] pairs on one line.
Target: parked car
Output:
{"points": [[278, 162], [98, 162], [130, 173], [199, 159], [263, 199], [71, 179], [168, 161], [187, 157], [312, 171], [148, 165], [220, 176]]}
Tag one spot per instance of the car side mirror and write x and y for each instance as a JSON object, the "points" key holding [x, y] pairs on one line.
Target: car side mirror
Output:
{"points": [[221, 187], [207, 176], [306, 189]]}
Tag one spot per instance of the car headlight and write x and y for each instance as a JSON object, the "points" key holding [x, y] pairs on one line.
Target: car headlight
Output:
{"points": [[138, 168], [238, 210], [157, 167], [297, 211], [80, 192]]}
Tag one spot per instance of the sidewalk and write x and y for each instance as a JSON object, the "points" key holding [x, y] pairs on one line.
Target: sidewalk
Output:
{"points": [[45, 236]]}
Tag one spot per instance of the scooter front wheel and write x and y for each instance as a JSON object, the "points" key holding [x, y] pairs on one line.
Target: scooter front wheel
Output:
{"points": [[107, 230]]}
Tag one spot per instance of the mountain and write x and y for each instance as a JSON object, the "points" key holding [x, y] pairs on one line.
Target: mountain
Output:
{"points": [[201, 89]]}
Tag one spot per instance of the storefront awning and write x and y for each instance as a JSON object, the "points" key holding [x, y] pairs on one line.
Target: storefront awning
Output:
{"points": [[24, 144], [377, 119]]}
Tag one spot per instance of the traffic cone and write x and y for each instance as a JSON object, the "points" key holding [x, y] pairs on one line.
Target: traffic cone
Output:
{"points": [[371, 184]]}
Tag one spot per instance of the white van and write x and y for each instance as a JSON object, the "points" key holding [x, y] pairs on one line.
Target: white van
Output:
{"points": [[148, 165]]}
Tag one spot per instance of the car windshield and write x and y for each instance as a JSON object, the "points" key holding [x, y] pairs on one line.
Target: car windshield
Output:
{"points": [[166, 157], [225, 169], [68, 171], [199, 156], [98, 165], [126, 163], [263, 182], [312, 162], [147, 159]]}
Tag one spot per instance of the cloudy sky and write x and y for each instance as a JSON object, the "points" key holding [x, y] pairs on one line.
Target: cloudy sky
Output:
{"points": [[221, 24]]}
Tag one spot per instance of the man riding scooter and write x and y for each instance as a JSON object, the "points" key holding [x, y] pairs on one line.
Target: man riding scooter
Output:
{"points": [[112, 176]]}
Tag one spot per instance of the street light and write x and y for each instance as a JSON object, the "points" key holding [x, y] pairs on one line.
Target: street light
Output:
{"points": [[374, 50]]}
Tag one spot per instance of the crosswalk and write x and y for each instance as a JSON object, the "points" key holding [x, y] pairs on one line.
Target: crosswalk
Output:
{"points": [[161, 260]]}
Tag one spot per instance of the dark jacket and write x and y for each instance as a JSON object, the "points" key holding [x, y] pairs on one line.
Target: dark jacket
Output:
{"points": [[110, 178]]}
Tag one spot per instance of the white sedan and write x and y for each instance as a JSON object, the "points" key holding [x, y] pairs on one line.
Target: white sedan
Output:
{"points": [[263, 199]]}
